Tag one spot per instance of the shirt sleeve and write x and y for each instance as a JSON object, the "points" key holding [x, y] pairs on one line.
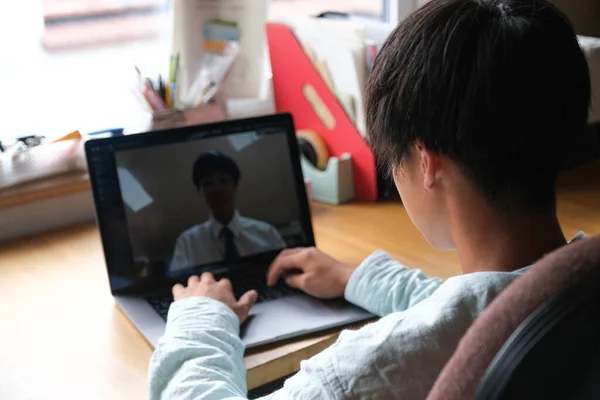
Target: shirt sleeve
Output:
{"points": [[381, 285], [399, 356], [200, 357]]}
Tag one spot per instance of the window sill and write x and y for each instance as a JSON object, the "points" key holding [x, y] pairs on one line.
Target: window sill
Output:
{"points": [[44, 189]]}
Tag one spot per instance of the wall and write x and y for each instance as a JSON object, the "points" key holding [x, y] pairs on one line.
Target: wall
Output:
{"points": [[584, 14], [266, 190]]}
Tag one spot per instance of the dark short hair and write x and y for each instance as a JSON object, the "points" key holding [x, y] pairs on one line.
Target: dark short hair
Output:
{"points": [[501, 87], [211, 162]]}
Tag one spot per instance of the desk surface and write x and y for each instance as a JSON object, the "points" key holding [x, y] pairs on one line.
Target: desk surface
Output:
{"points": [[63, 337]]}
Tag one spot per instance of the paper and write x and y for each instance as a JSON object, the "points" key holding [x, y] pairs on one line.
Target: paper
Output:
{"points": [[192, 20], [134, 194], [340, 44], [213, 69]]}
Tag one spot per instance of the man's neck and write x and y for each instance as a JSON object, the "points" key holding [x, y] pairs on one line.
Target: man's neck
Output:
{"points": [[490, 241], [224, 218]]}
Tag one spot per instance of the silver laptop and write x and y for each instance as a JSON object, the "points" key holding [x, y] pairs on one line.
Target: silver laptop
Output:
{"points": [[224, 198]]}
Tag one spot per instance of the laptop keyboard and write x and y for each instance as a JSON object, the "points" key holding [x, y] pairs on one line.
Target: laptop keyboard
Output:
{"points": [[265, 293], [161, 303]]}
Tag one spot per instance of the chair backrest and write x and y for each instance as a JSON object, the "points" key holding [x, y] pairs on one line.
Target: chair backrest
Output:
{"points": [[556, 273], [555, 352]]}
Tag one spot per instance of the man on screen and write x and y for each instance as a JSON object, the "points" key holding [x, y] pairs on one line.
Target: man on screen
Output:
{"points": [[227, 235]]}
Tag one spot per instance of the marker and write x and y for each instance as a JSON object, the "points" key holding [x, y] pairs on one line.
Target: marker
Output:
{"points": [[161, 89], [174, 68], [174, 94], [168, 96]]}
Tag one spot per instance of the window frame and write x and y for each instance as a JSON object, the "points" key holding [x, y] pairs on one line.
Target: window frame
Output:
{"points": [[395, 11]]}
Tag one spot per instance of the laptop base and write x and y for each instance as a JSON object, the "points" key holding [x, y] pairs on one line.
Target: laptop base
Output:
{"points": [[269, 322]]}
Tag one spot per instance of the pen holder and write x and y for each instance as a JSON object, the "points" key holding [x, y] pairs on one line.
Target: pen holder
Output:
{"points": [[205, 114]]}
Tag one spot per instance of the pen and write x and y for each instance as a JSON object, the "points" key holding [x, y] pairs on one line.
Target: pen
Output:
{"points": [[139, 74], [108, 132], [161, 89]]}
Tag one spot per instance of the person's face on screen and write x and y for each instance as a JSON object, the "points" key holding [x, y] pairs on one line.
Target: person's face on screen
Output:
{"points": [[219, 191]]}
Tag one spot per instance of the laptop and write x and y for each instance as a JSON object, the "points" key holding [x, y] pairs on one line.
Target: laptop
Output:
{"points": [[225, 198]]}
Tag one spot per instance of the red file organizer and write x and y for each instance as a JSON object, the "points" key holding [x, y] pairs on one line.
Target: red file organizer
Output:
{"points": [[292, 69]]}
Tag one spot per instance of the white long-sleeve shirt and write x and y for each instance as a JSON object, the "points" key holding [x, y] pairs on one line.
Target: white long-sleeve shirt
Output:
{"points": [[399, 356], [203, 244]]}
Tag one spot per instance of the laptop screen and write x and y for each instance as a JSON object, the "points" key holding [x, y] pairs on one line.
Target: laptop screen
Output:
{"points": [[225, 198]]}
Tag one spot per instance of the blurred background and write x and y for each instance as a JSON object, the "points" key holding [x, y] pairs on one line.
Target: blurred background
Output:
{"points": [[65, 64]]}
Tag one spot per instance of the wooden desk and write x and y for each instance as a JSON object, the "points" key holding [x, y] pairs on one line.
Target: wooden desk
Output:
{"points": [[61, 335]]}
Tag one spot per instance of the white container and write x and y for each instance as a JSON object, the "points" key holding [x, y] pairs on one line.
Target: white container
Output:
{"points": [[25, 165], [335, 185]]}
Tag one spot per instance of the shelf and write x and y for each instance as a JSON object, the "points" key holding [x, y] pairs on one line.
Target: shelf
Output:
{"points": [[44, 189]]}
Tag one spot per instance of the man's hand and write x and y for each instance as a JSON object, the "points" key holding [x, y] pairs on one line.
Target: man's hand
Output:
{"points": [[206, 286], [312, 271]]}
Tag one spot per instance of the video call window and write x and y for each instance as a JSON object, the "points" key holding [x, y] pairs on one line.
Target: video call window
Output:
{"points": [[208, 202]]}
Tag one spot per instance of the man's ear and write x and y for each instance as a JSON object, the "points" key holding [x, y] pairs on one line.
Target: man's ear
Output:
{"points": [[429, 164]]}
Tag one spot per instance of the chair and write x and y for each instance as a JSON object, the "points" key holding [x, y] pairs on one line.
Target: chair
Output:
{"points": [[539, 339]]}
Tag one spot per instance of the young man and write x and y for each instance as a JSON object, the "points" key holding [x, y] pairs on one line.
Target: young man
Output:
{"points": [[227, 235], [470, 105]]}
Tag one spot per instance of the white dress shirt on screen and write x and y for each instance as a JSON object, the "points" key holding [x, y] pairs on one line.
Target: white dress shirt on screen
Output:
{"points": [[204, 243]]}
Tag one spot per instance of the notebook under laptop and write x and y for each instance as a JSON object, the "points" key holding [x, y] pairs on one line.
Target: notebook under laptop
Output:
{"points": [[224, 198]]}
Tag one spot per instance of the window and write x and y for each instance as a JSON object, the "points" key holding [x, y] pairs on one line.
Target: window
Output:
{"points": [[67, 64], [368, 8]]}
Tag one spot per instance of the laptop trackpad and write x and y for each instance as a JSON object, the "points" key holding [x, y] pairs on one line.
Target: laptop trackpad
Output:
{"points": [[295, 316]]}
